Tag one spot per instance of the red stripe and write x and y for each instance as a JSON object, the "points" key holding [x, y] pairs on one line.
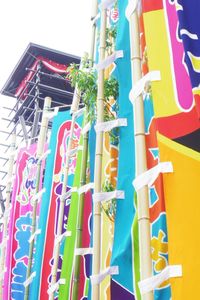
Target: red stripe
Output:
{"points": [[51, 221], [150, 5], [178, 125], [159, 206], [197, 102]]}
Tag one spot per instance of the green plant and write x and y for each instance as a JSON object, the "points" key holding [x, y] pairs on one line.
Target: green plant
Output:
{"points": [[85, 79], [111, 206], [111, 88], [111, 34]]}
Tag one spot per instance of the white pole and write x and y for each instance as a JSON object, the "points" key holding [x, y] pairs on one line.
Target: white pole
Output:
{"points": [[141, 161], [78, 243], [40, 151], [56, 251], [98, 161]]}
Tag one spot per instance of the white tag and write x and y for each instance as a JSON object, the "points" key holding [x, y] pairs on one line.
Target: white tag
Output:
{"points": [[68, 194], [51, 114], [55, 286], [109, 60], [86, 128], [85, 188], [60, 237], [72, 152], [38, 195], [107, 126], [140, 85], [148, 177], [96, 279], [79, 112], [153, 282], [95, 19], [38, 231], [29, 280], [83, 251], [43, 156], [105, 196]]}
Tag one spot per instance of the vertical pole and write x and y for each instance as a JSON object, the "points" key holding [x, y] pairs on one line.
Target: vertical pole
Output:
{"points": [[40, 151], [98, 162], [141, 161], [93, 33], [37, 114], [7, 205], [56, 251], [83, 172], [2, 202], [23, 125], [79, 228]]}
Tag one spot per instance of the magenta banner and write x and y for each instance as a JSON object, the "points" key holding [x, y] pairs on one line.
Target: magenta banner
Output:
{"points": [[20, 223]]}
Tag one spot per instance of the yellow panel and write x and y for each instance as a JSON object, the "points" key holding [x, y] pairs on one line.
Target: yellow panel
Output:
{"points": [[182, 197], [159, 59]]}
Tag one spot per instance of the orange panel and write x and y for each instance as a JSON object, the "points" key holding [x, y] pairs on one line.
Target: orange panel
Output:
{"points": [[182, 197]]}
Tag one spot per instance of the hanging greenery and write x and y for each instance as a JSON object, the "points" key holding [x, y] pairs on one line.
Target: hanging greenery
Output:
{"points": [[111, 34], [109, 207], [86, 80]]}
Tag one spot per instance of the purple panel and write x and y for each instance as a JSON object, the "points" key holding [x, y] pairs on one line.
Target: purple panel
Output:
{"points": [[119, 293]]}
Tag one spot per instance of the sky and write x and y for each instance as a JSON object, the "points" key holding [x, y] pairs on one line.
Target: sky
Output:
{"points": [[61, 25]]}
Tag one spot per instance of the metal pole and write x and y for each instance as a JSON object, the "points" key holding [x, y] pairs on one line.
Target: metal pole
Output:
{"points": [[37, 114], [2, 201], [25, 133], [7, 206], [141, 160]]}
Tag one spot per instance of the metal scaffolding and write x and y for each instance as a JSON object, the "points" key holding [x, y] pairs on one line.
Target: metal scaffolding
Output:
{"points": [[23, 116]]}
